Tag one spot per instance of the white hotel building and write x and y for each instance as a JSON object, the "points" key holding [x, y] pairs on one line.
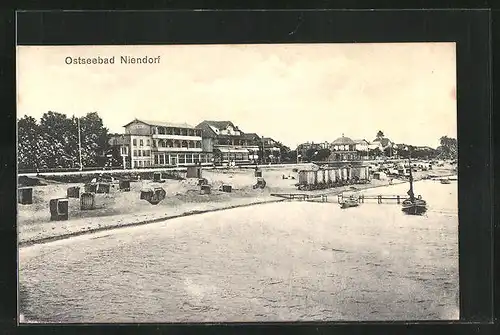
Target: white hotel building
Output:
{"points": [[154, 143]]}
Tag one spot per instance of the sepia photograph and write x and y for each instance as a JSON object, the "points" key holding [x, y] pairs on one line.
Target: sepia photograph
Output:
{"points": [[237, 183]]}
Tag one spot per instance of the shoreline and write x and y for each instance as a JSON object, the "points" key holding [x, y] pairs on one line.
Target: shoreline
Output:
{"points": [[248, 201], [58, 230], [140, 223]]}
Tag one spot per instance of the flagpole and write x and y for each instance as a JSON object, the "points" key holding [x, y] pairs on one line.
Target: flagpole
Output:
{"points": [[80, 145]]}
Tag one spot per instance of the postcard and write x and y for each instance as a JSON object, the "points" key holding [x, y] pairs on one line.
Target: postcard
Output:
{"points": [[237, 183]]}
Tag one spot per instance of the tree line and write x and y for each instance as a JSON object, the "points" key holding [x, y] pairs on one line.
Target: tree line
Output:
{"points": [[53, 141], [448, 149]]}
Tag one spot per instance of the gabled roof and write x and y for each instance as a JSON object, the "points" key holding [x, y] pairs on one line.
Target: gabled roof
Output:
{"points": [[161, 124], [220, 124], [207, 125], [250, 136], [361, 141], [207, 131], [384, 140]]}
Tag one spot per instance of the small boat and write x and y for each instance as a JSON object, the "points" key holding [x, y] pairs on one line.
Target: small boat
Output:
{"points": [[413, 205], [445, 181], [350, 202]]}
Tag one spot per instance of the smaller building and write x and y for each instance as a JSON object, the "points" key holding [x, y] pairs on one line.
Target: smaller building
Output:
{"points": [[325, 145], [120, 149], [344, 149], [309, 145], [253, 146], [230, 144], [304, 147], [385, 145], [272, 153], [382, 143], [361, 145]]}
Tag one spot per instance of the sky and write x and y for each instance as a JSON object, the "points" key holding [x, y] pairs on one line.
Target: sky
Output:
{"points": [[293, 93]]}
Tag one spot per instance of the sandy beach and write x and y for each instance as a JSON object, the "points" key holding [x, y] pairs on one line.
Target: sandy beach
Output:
{"points": [[122, 209]]}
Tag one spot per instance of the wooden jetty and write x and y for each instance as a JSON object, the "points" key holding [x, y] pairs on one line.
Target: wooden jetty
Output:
{"points": [[301, 196], [380, 198]]}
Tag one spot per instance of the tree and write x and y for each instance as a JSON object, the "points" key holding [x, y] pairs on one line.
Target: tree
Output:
{"points": [[448, 147], [380, 134], [94, 138], [388, 151], [29, 144], [323, 154], [58, 133], [310, 153], [404, 151], [54, 143], [291, 156], [376, 152], [284, 151]]}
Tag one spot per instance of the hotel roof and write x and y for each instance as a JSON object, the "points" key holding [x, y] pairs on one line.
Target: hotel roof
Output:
{"points": [[161, 123]]}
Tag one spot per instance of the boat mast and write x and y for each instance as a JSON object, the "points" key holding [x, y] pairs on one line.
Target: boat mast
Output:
{"points": [[410, 192]]}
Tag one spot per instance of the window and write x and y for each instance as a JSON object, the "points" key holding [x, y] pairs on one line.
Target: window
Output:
{"points": [[156, 159], [141, 143], [189, 158], [182, 159], [148, 153], [135, 164], [124, 150], [134, 142], [162, 160], [135, 153], [139, 152], [148, 143]]}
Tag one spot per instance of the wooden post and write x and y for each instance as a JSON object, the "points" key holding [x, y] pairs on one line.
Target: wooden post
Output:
{"points": [[398, 199], [379, 198]]}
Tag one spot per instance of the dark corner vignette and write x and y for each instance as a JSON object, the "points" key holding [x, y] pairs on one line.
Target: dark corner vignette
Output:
{"points": [[470, 29]]}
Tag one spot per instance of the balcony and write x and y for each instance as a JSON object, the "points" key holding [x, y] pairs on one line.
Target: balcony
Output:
{"points": [[176, 137], [176, 149], [247, 147], [174, 132]]}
